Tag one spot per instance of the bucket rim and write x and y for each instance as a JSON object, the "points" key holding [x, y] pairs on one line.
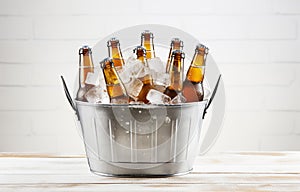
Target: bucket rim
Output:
{"points": [[204, 102]]}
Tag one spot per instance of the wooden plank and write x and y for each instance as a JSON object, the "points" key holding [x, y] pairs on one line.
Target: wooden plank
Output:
{"points": [[249, 162], [149, 187], [44, 166], [186, 179], [242, 171], [223, 163], [243, 158], [38, 155]]}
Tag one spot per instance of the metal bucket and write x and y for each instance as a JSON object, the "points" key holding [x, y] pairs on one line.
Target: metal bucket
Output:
{"points": [[148, 140], [141, 139]]}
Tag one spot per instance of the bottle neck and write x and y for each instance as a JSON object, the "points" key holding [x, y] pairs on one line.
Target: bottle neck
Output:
{"points": [[110, 74], [177, 46], [176, 73], [114, 52], [147, 42], [196, 70], [198, 59], [85, 66], [87, 61], [142, 59], [115, 88], [174, 46]]}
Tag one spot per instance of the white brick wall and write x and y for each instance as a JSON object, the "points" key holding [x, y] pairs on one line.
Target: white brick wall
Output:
{"points": [[256, 44], [16, 27]]}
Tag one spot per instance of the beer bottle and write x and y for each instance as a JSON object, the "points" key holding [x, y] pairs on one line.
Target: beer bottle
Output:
{"points": [[176, 74], [86, 66], [176, 44], [193, 85], [115, 88], [114, 52], [144, 74], [147, 43]]}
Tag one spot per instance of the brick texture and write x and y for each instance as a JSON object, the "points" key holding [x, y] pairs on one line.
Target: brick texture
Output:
{"points": [[255, 43]]}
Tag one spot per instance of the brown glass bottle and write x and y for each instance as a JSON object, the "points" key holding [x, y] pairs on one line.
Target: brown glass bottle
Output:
{"points": [[193, 85], [147, 43], [115, 88], [176, 44], [85, 66], [146, 78], [114, 52], [176, 74]]}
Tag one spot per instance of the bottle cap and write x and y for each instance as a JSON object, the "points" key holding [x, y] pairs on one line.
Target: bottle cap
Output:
{"points": [[113, 42], [147, 33], [85, 49], [202, 48], [139, 48], [177, 41], [106, 61]]}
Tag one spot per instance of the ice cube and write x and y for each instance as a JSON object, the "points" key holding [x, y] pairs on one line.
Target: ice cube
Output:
{"points": [[156, 97], [144, 71], [97, 95], [156, 64], [133, 87], [178, 99], [133, 66], [131, 59], [102, 82], [93, 78], [125, 75], [161, 78]]}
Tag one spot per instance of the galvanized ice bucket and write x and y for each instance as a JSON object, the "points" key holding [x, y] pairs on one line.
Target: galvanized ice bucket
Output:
{"points": [[148, 140], [141, 140]]}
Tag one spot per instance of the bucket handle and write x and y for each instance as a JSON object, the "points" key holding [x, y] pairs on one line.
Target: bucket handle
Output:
{"points": [[212, 96], [69, 97], [216, 121]]}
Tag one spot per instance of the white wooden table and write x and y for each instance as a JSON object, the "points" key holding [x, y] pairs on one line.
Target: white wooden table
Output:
{"points": [[243, 171]]}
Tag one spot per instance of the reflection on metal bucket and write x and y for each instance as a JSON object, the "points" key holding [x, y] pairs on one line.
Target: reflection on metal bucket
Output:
{"points": [[140, 139]]}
